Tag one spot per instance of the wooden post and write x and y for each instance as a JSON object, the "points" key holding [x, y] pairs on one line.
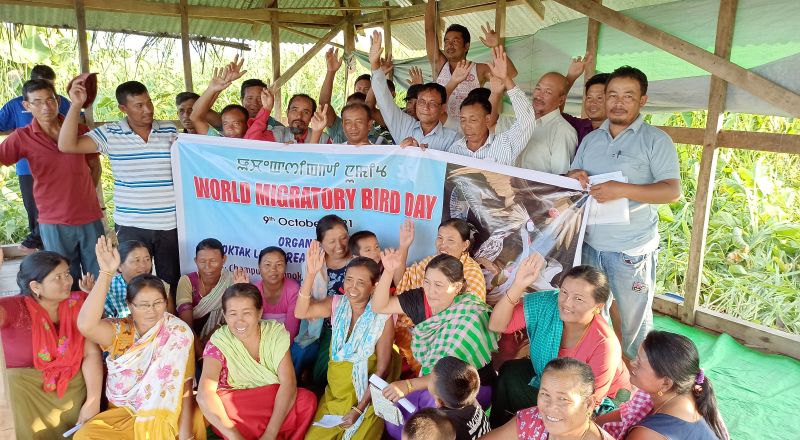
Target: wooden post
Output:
{"points": [[83, 50], [275, 43], [349, 51], [592, 42], [185, 48], [311, 53], [708, 165], [500, 20], [387, 35]]}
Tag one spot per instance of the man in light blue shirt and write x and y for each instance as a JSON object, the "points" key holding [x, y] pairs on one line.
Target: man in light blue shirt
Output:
{"points": [[647, 157], [426, 131]]}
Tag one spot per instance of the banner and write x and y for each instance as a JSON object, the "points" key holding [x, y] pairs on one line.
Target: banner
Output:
{"points": [[252, 194]]}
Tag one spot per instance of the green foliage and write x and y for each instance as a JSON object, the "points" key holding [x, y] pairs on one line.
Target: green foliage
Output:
{"points": [[752, 264]]}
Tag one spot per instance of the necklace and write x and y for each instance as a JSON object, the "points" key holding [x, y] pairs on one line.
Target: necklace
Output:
{"points": [[664, 404]]}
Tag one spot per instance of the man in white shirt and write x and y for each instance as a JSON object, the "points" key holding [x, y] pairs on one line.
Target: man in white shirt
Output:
{"points": [[554, 141]]}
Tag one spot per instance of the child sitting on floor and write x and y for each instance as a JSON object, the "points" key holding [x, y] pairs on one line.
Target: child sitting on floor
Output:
{"points": [[429, 424], [455, 384]]}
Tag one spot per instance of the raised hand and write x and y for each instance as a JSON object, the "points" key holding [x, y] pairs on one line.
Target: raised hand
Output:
{"points": [[87, 282], [415, 76], [235, 71], [218, 82], [406, 234], [390, 259], [315, 258], [320, 119], [333, 60], [490, 38], [267, 97], [461, 71], [77, 93], [375, 50], [529, 270], [496, 85], [387, 64], [240, 276], [578, 65], [107, 255], [499, 65]]}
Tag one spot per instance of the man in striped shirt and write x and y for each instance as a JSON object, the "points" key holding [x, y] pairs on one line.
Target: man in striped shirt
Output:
{"points": [[139, 151], [476, 118]]}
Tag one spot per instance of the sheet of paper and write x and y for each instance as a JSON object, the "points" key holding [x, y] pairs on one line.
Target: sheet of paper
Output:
{"points": [[381, 384], [329, 421], [384, 408], [614, 212]]}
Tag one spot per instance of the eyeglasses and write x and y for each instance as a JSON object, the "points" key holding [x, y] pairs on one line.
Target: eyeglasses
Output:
{"points": [[145, 307], [428, 104], [627, 99], [41, 102]]}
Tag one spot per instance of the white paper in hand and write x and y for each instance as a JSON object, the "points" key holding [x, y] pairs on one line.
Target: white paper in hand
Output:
{"points": [[329, 421], [613, 212]]}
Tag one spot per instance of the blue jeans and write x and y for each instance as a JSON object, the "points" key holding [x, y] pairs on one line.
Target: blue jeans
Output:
{"points": [[632, 279], [76, 243]]}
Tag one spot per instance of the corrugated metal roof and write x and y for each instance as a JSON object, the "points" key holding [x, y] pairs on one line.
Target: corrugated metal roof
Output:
{"points": [[520, 19]]}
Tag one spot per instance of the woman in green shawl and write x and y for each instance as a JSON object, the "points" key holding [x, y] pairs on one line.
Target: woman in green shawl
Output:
{"points": [[248, 389], [447, 322]]}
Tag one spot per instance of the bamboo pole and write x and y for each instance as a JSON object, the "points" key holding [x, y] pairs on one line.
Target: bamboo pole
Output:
{"points": [[708, 164], [500, 21], [185, 49], [275, 43], [592, 44], [387, 35], [83, 49]]}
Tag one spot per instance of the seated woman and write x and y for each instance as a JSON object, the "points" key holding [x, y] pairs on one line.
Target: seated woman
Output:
{"points": [[447, 322], [684, 404], [314, 337], [199, 294], [361, 345], [136, 260], [455, 237], [278, 291], [566, 401], [150, 362], [560, 323], [54, 374], [247, 389]]}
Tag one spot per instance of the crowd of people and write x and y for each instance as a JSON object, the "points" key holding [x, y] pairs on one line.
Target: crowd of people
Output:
{"points": [[124, 346]]}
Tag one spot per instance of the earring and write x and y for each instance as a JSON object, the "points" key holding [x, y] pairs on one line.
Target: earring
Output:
{"points": [[660, 393]]}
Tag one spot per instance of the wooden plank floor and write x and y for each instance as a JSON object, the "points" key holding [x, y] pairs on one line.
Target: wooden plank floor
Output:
{"points": [[8, 286]]}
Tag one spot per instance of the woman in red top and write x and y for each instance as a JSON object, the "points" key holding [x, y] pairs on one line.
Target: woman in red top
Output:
{"points": [[48, 396]]}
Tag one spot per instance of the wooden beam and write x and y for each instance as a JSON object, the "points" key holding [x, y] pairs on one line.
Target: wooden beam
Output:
{"points": [[537, 7], [301, 62], [708, 164], [592, 45], [387, 35], [307, 35], [500, 20], [757, 85], [446, 8], [83, 48], [743, 140], [275, 43], [195, 12], [755, 336], [199, 39], [186, 53]]}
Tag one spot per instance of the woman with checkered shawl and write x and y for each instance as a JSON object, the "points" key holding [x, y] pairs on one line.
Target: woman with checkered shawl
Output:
{"points": [[447, 322]]}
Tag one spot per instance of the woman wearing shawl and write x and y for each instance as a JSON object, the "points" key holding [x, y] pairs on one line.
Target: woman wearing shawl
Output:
{"points": [[361, 345], [454, 237], [247, 389], [57, 383], [566, 400], [314, 338], [199, 294], [150, 362], [560, 323], [136, 260], [447, 322]]}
